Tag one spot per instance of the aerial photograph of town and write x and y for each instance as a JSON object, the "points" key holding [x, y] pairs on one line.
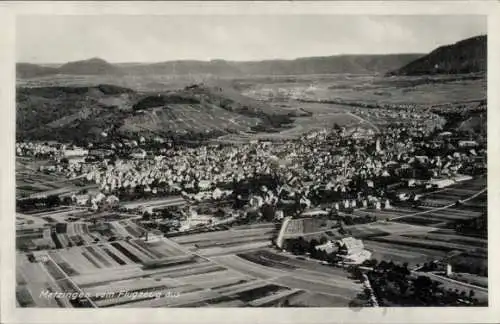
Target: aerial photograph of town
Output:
{"points": [[251, 161]]}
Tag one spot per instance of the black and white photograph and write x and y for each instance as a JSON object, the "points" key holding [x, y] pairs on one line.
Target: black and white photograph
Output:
{"points": [[251, 161]]}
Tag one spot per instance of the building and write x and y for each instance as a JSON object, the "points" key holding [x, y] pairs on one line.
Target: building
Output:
{"points": [[352, 251], [73, 160], [101, 153], [279, 215], [138, 153], [314, 212], [196, 220], [441, 183], [449, 270], [445, 134], [81, 200], [462, 177], [467, 143], [75, 152], [328, 247], [378, 147], [204, 184]]}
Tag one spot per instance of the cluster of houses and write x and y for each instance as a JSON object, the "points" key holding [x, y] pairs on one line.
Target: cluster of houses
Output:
{"points": [[35, 149]]}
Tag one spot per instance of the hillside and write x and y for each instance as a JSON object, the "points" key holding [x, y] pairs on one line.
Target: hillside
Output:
{"points": [[354, 64], [71, 113], [465, 56], [93, 66], [64, 112], [27, 70]]}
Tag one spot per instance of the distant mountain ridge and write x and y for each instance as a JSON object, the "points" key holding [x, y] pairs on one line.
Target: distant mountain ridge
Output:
{"points": [[28, 70], [93, 66], [466, 56], [355, 64]]}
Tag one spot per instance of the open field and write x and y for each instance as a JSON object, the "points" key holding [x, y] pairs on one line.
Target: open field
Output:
{"points": [[264, 264], [301, 226], [398, 89], [226, 242], [399, 254], [31, 182], [257, 277], [429, 244], [385, 228], [301, 126], [158, 203]]}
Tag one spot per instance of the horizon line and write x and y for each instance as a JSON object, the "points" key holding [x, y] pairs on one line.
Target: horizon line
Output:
{"points": [[256, 60], [225, 60]]}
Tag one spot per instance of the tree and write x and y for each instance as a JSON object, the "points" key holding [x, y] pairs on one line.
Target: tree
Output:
{"points": [[52, 201], [332, 257], [302, 245], [348, 220], [321, 254], [312, 248], [67, 200], [370, 263]]}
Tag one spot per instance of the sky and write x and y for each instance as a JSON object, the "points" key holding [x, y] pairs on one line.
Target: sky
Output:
{"points": [[59, 39]]}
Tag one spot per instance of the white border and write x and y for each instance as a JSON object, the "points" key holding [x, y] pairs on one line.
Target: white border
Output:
{"points": [[8, 11]]}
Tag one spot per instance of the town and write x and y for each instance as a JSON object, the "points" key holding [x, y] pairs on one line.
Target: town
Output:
{"points": [[153, 198], [252, 161]]}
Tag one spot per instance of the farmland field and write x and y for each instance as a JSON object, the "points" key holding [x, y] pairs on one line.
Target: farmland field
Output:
{"points": [[372, 88]]}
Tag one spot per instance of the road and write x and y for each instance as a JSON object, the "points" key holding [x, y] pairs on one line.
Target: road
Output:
{"points": [[452, 281], [481, 293], [363, 120]]}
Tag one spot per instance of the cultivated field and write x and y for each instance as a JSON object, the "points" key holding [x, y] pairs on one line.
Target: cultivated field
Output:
{"points": [[225, 268], [422, 234], [400, 89]]}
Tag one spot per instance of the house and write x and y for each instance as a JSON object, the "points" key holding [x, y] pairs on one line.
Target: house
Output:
{"points": [[445, 134], [328, 247], [349, 245], [75, 152], [279, 214], [441, 183], [73, 160], [352, 251], [462, 177], [81, 200], [204, 184], [112, 200], [138, 153], [101, 153], [467, 143], [314, 212], [196, 220]]}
